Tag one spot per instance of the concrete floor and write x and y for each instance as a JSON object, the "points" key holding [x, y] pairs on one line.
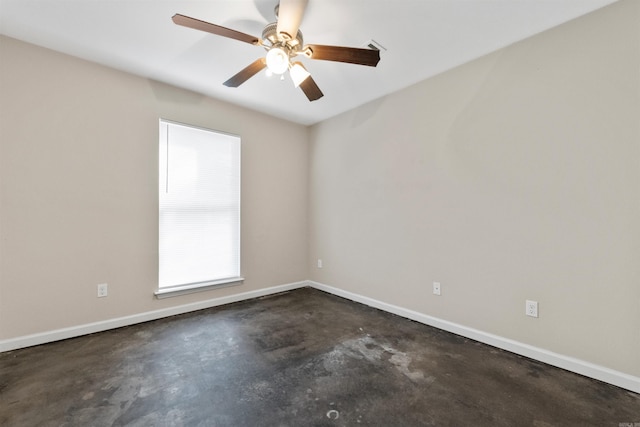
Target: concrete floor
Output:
{"points": [[302, 358]]}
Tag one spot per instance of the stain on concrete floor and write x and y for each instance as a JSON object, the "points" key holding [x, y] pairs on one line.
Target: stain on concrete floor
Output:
{"points": [[302, 358]]}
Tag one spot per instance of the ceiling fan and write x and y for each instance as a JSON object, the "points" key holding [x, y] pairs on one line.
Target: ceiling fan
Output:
{"points": [[283, 42]]}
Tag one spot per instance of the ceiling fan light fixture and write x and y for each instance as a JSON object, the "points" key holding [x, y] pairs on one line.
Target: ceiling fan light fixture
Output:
{"points": [[277, 60], [281, 47], [298, 73]]}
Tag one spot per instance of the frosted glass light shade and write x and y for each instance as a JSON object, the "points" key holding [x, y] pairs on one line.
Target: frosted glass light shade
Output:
{"points": [[298, 73], [277, 60]]}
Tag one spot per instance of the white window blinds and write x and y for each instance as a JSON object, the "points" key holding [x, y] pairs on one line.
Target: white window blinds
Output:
{"points": [[199, 206]]}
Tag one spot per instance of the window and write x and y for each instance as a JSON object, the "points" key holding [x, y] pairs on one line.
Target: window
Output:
{"points": [[199, 209]]}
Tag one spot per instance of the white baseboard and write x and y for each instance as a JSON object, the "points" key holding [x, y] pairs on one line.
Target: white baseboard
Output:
{"points": [[90, 328], [578, 366]]}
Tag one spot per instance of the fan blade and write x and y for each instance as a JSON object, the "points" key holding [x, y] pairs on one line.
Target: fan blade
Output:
{"points": [[352, 55], [311, 89], [246, 73], [197, 24], [290, 14]]}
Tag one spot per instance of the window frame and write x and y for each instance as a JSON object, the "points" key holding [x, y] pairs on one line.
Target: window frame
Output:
{"points": [[214, 283]]}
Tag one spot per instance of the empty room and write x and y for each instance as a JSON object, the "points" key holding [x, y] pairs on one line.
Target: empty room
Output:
{"points": [[320, 212]]}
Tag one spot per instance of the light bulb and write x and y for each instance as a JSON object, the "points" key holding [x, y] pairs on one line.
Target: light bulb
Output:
{"points": [[277, 60]]}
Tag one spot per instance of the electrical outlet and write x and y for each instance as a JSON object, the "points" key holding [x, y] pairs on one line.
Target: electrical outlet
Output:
{"points": [[319, 263], [436, 288], [531, 308], [102, 290]]}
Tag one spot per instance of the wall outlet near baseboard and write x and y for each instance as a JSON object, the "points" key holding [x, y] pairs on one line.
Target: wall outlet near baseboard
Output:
{"points": [[531, 308], [319, 263], [103, 289], [436, 288]]}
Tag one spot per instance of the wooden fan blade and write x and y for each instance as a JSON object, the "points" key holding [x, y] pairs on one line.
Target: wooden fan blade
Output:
{"points": [[290, 14], [197, 24], [246, 73], [352, 55], [311, 89]]}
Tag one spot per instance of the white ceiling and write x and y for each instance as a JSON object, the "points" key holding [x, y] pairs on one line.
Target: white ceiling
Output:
{"points": [[422, 38]]}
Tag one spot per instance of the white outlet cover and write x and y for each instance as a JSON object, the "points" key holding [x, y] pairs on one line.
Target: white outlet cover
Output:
{"points": [[436, 288], [531, 308], [103, 290]]}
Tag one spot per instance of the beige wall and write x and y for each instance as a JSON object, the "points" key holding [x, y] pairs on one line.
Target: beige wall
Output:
{"points": [[514, 177], [78, 190]]}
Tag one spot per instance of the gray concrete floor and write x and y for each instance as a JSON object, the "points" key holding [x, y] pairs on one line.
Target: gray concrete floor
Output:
{"points": [[302, 358]]}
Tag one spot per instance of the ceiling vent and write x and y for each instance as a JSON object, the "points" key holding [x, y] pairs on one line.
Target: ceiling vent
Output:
{"points": [[372, 44]]}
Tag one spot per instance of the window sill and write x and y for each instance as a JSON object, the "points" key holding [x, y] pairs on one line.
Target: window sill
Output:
{"points": [[191, 288]]}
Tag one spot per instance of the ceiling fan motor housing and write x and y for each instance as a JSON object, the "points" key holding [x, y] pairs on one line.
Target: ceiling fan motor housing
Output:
{"points": [[282, 40]]}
